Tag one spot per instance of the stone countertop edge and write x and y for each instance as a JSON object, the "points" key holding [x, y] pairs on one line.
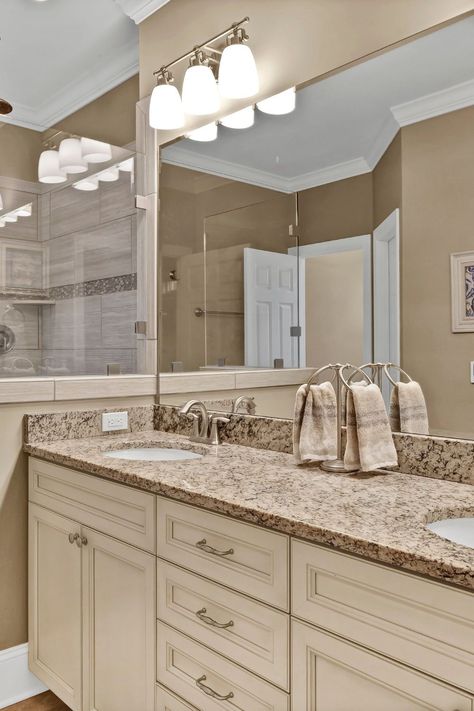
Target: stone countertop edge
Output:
{"points": [[379, 516]]}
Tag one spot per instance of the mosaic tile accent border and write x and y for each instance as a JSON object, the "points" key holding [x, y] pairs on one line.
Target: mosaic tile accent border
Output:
{"points": [[96, 287], [433, 457], [79, 424]]}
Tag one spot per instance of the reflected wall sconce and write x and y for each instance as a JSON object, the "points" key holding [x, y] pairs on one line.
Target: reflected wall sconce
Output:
{"points": [[279, 104], [69, 155], [204, 134], [109, 175], [237, 79], [240, 119], [13, 215]]}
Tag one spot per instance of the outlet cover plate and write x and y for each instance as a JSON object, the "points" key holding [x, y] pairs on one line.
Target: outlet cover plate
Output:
{"points": [[472, 371], [113, 421]]}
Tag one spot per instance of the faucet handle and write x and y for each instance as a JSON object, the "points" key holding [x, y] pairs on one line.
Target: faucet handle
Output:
{"points": [[215, 421]]}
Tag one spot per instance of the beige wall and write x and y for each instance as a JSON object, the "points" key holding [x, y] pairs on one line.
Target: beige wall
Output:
{"points": [[437, 219], [387, 182], [293, 42], [340, 209], [109, 118], [19, 152], [334, 316]]}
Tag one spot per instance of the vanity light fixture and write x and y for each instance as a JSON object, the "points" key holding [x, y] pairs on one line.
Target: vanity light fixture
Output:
{"points": [[279, 104], [238, 79], [109, 175], [11, 217], [25, 210], [87, 184], [126, 165], [70, 156], [48, 168], [238, 76], [200, 92], [166, 108], [240, 119], [95, 151], [205, 133]]}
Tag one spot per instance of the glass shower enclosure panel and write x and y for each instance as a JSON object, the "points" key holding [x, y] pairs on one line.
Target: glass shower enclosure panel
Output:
{"points": [[68, 273]]}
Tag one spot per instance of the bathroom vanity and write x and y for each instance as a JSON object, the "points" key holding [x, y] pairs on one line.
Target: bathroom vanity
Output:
{"points": [[240, 581]]}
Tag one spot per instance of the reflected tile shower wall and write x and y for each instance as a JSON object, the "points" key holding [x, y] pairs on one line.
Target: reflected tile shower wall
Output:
{"points": [[79, 267], [91, 257]]}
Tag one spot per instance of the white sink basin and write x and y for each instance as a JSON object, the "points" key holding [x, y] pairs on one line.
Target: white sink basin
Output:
{"points": [[458, 530], [152, 454]]}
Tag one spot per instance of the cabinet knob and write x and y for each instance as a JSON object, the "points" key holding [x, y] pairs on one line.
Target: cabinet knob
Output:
{"points": [[81, 541], [73, 537]]}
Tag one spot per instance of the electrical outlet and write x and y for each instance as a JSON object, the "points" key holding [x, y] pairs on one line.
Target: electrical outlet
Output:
{"points": [[472, 371], [112, 421]]}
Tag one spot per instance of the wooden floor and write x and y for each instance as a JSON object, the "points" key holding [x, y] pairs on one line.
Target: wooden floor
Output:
{"points": [[43, 702]]}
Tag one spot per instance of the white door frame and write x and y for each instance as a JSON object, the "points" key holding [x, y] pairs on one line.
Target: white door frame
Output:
{"points": [[361, 243], [387, 289]]}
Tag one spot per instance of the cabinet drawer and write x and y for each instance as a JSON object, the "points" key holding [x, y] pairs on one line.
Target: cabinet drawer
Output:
{"points": [[421, 623], [120, 511], [165, 701], [250, 633], [209, 681], [239, 555], [330, 673]]}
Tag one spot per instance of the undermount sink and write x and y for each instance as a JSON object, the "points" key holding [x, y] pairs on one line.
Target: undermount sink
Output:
{"points": [[457, 530], [152, 454]]}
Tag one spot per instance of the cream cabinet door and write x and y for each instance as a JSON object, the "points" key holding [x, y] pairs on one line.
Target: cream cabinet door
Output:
{"points": [[330, 674], [55, 615], [119, 622]]}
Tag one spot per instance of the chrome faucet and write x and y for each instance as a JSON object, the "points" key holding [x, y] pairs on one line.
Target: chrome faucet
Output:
{"points": [[247, 401], [202, 422]]}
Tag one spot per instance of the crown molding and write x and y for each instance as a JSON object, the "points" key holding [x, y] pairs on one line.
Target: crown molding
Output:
{"points": [[176, 155], [382, 141], [78, 93], [455, 97], [139, 10]]}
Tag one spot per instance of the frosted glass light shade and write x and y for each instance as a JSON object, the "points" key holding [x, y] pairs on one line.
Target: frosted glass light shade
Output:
{"points": [[240, 119], [166, 108], [282, 103], [25, 211], [95, 151], [127, 165], [87, 184], [70, 156], [2, 222], [1, 203], [11, 217], [205, 133], [238, 77], [200, 92], [48, 168], [109, 175]]}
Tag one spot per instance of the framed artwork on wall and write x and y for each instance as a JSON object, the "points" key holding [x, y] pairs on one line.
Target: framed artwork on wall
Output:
{"points": [[462, 292]]}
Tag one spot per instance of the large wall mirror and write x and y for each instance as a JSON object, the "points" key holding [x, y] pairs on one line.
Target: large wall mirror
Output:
{"points": [[68, 269], [333, 233]]}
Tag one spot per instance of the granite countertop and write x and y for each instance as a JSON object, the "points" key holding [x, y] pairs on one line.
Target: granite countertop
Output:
{"points": [[379, 516]]}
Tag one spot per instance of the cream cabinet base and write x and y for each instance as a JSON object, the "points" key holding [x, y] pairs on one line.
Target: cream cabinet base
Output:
{"points": [[330, 674]]}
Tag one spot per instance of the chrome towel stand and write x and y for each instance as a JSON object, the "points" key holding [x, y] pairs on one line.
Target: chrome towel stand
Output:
{"points": [[337, 465]]}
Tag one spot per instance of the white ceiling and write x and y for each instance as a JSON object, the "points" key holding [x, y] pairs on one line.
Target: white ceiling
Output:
{"points": [[59, 55], [342, 125]]}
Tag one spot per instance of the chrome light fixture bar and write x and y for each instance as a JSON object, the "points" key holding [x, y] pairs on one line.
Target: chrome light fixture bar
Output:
{"points": [[237, 79]]}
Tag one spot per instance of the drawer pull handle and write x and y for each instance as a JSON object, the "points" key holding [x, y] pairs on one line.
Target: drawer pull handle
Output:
{"points": [[209, 549], [210, 692], [209, 621]]}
